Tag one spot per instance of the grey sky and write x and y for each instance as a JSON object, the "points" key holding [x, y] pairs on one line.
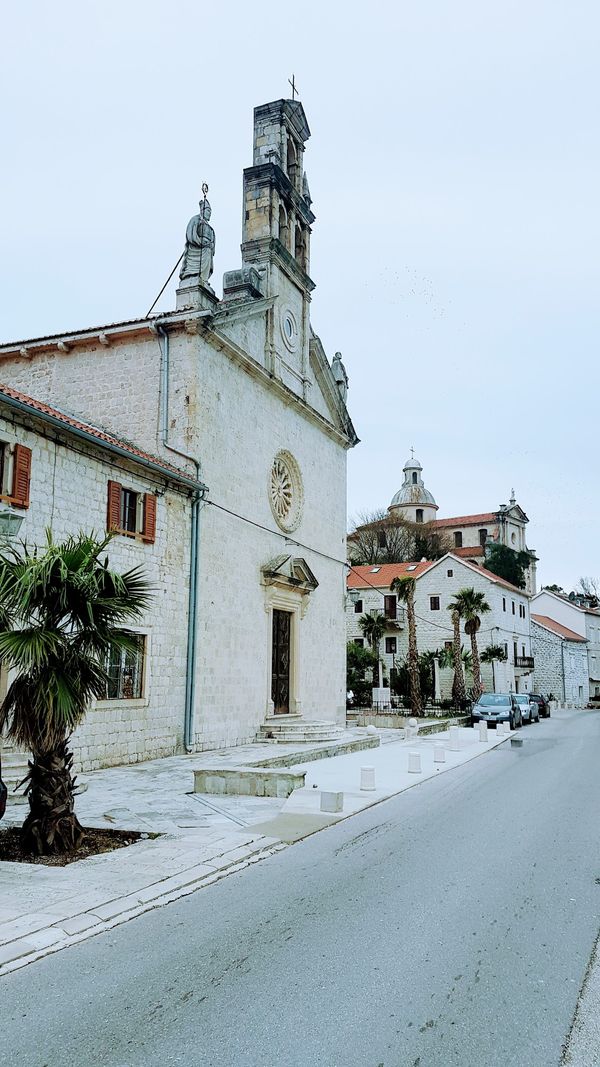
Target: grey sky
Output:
{"points": [[454, 167]]}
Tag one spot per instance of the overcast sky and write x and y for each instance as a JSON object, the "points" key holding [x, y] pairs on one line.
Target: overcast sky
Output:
{"points": [[454, 167]]}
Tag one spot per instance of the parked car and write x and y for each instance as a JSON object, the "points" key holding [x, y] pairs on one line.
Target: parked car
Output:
{"points": [[542, 703], [497, 707], [529, 710]]}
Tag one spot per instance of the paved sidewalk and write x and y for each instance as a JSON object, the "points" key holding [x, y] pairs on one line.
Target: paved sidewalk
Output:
{"points": [[203, 837]]}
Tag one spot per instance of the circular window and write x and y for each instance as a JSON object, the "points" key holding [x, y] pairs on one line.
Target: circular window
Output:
{"points": [[289, 329], [286, 494]]}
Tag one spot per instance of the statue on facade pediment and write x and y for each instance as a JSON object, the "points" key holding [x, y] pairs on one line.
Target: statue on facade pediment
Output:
{"points": [[199, 246]]}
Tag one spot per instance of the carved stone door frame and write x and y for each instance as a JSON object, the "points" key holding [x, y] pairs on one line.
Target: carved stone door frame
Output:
{"points": [[291, 601]]}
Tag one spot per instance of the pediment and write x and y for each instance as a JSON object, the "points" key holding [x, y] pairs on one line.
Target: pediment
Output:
{"points": [[516, 512], [291, 571], [327, 385]]}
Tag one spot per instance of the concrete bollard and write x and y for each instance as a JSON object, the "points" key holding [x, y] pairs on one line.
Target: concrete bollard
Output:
{"points": [[516, 742], [414, 762], [483, 730], [332, 802], [439, 753], [372, 730], [412, 727], [454, 742], [367, 778]]}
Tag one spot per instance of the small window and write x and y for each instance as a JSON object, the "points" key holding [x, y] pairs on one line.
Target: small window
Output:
{"points": [[389, 609], [381, 539], [503, 603], [513, 607], [523, 648], [375, 570], [125, 669], [390, 646], [515, 652], [448, 644], [506, 649], [458, 539], [434, 603], [131, 513], [414, 478], [419, 514], [360, 641], [483, 537], [450, 574], [358, 607]]}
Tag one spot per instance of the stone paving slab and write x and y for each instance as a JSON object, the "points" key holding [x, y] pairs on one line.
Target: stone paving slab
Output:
{"points": [[203, 838]]}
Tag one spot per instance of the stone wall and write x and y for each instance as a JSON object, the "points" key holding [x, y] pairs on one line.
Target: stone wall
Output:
{"points": [[561, 666], [69, 494]]}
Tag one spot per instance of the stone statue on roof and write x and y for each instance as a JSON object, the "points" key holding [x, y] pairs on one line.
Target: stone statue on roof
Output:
{"points": [[199, 245]]}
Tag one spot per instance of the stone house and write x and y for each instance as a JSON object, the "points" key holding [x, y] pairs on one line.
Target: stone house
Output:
{"points": [[237, 391], [582, 620], [561, 662], [437, 582], [61, 474]]}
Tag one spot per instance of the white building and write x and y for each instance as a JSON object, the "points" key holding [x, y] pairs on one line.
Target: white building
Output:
{"points": [[237, 391], [436, 584], [561, 661], [584, 621], [61, 474]]}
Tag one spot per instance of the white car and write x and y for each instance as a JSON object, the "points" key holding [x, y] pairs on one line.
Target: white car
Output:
{"points": [[530, 711]]}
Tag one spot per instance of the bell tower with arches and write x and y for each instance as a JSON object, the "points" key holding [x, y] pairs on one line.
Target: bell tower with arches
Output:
{"points": [[276, 234]]}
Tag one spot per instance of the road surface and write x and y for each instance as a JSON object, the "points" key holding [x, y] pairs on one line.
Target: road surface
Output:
{"points": [[451, 925]]}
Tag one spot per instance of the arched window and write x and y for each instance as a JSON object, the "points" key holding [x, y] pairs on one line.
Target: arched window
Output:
{"points": [[415, 478], [458, 539], [419, 515], [300, 247], [292, 161], [284, 231], [482, 537]]}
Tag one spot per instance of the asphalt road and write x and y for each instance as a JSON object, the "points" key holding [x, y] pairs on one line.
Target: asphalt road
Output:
{"points": [[450, 925]]}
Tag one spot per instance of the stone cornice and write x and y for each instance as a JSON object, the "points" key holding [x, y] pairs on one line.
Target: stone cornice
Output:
{"points": [[273, 174]]}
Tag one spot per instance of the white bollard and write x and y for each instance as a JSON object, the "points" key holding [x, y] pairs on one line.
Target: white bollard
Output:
{"points": [[454, 742], [439, 753], [483, 730], [372, 730], [412, 728], [414, 762], [367, 778], [332, 802]]}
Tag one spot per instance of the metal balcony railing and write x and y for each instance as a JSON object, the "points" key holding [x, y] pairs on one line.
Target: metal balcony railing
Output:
{"points": [[524, 661]]}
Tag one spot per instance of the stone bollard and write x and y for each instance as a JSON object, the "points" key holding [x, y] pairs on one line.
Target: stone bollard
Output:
{"points": [[414, 762], [412, 728], [454, 742], [332, 802], [367, 778], [372, 730], [439, 753], [483, 730]]}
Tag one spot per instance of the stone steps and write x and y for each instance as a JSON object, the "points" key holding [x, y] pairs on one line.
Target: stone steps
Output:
{"points": [[14, 770], [294, 729]]}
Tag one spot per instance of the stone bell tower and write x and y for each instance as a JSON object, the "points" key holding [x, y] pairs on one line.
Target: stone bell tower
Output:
{"points": [[276, 233]]}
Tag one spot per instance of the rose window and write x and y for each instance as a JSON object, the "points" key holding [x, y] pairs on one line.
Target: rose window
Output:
{"points": [[285, 491]]}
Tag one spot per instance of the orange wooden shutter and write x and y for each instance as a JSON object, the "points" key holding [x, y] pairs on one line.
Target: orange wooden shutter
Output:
{"points": [[21, 476], [113, 510], [149, 533]]}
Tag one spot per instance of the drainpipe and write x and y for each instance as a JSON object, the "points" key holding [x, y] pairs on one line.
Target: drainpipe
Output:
{"points": [[562, 649], [197, 498]]}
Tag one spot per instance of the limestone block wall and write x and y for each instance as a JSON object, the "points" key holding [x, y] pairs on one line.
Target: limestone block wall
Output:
{"points": [[68, 494], [560, 666]]}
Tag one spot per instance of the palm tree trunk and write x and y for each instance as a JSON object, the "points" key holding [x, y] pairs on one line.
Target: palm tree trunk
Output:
{"points": [[476, 667], [459, 693], [414, 680], [52, 826]]}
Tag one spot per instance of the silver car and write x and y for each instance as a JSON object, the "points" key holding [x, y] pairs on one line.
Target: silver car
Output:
{"points": [[530, 711]]}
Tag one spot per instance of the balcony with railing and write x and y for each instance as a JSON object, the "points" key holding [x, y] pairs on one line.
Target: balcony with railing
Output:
{"points": [[526, 662]]}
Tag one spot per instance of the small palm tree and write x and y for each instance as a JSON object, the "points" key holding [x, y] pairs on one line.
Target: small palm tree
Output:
{"points": [[471, 606], [494, 654], [373, 627], [404, 588], [459, 692], [61, 612]]}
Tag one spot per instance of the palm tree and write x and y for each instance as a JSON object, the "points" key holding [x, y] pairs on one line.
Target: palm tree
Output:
{"points": [[493, 654], [61, 612], [459, 692], [471, 605], [373, 627], [404, 588]]}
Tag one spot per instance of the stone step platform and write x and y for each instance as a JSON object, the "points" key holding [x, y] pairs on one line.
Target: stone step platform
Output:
{"points": [[14, 770], [295, 729]]}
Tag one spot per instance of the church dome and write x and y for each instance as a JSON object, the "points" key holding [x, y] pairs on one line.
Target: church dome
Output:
{"points": [[413, 494]]}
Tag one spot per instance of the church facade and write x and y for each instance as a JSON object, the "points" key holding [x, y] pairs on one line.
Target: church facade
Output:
{"points": [[238, 392]]}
